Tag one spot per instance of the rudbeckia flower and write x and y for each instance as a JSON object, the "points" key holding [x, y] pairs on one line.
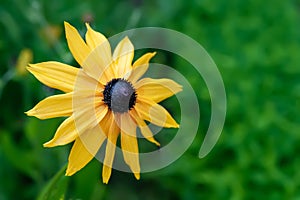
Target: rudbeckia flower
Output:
{"points": [[104, 99]]}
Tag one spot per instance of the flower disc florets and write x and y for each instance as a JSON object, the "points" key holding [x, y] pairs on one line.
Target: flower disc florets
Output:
{"points": [[119, 95]]}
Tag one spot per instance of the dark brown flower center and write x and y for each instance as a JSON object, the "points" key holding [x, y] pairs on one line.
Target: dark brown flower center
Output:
{"points": [[119, 95]]}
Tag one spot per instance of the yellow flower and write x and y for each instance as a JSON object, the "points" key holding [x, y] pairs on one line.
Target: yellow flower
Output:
{"points": [[24, 58], [106, 92]]}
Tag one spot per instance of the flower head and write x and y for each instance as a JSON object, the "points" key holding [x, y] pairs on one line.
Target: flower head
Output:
{"points": [[103, 99]]}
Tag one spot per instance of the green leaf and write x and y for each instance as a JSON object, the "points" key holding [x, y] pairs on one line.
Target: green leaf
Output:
{"points": [[20, 159], [57, 186]]}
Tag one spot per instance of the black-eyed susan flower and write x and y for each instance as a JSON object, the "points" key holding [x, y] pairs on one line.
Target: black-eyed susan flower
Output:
{"points": [[103, 99]]}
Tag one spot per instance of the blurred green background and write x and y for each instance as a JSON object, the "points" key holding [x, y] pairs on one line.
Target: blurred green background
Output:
{"points": [[255, 44]]}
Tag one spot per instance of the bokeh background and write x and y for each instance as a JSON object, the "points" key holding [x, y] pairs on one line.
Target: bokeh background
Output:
{"points": [[256, 46]]}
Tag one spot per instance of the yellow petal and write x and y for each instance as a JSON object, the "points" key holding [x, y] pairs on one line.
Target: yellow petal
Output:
{"points": [[145, 130], [101, 111], [125, 123], [98, 42], [55, 75], [94, 39], [131, 153], [53, 106], [66, 133], [88, 107], [140, 67], [97, 66], [89, 117], [85, 82], [157, 89], [105, 123], [129, 144], [84, 149], [113, 134], [85, 118], [123, 56], [143, 60], [155, 113], [77, 46]]}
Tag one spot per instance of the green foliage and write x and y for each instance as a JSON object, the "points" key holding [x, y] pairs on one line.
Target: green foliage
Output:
{"points": [[56, 188], [256, 46]]}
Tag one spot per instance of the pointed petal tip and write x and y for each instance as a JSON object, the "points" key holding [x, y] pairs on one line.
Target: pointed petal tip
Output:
{"points": [[172, 125], [153, 53], [33, 113], [180, 88], [126, 38], [105, 179], [175, 125], [67, 173], [29, 113], [49, 144], [106, 173], [87, 25], [153, 141], [53, 143], [157, 143], [67, 26], [137, 176], [70, 171], [66, 23]]}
